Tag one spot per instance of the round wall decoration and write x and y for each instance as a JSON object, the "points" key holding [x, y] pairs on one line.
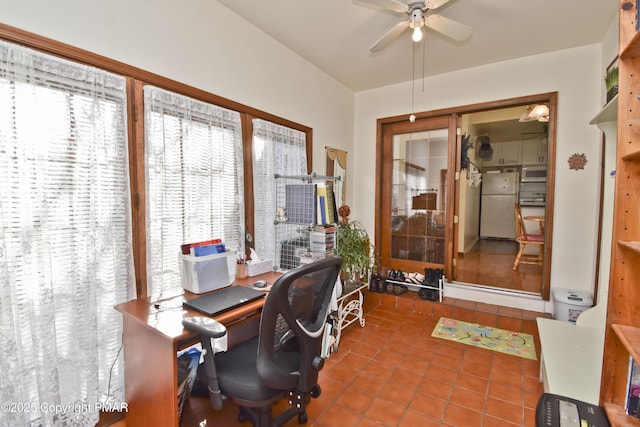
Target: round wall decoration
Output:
{"points": [[577, 161]]}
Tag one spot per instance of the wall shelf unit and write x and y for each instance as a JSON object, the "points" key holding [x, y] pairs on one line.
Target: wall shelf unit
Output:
{"points": [[634, 156], [622, 334], [306, 225], [609, 113]]}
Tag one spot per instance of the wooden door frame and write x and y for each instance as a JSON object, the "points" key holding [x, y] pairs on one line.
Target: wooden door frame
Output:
{"points": [[454, 165], [387, 130]]}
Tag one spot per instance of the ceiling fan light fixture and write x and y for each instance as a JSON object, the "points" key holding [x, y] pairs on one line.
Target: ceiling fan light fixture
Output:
{"points": [[540, 110], [540, 113], [416, 18], [419, 16], [417, 34], [526, 116]]}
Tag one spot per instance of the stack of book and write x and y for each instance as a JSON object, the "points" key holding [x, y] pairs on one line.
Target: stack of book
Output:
{"points": [[322, 239], [632, 402], [310, 204], [326, 205], [204, 248]]}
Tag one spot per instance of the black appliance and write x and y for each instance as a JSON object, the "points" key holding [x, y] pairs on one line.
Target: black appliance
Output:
{"points": [[559, 411]]}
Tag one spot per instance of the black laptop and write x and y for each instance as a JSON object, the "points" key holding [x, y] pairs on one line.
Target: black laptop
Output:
{"points": [[224, 299]]}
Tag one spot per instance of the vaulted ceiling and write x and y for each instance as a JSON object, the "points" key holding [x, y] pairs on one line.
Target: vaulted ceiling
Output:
{"points": [[336, 35]]}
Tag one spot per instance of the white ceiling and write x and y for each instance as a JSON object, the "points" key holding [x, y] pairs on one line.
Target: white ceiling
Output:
{"points": [[335, 35]]}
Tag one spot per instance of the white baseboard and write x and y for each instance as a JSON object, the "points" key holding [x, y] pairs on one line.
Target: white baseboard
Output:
{"points": [[470, 245], [496, 296]]}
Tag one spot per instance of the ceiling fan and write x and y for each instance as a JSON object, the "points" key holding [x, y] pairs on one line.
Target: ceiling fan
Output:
{"points": [[538, 112], [418, 18]]}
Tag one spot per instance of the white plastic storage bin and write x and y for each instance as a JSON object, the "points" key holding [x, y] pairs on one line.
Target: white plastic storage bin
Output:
{"points": [[207, 273], [568, 304]]}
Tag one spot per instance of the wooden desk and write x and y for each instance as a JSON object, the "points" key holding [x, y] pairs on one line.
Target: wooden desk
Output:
{"points": [[153, 335]]}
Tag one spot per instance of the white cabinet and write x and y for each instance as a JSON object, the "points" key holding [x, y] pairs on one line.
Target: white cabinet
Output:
{"points": [[511, 152], [534, 152], [504, 154]]}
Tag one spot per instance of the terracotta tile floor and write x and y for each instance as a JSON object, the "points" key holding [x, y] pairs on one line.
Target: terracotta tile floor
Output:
{"points": [[393, 373]]}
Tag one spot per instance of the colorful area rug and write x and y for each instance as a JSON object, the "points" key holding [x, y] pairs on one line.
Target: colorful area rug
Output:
{"points": [[515, 343]]}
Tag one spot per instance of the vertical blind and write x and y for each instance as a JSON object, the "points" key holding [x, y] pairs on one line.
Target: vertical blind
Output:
{"points": [[194, 182], [278, 150], [65, 236]]}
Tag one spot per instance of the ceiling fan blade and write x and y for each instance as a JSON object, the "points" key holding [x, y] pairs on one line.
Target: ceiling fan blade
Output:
{"points": [[448, 27], [434, 4], [390, 36], [395, 5]]}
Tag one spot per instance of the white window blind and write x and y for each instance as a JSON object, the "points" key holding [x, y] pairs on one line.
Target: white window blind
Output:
{"points": [[279, 150], [194, 182], [65, 237]]}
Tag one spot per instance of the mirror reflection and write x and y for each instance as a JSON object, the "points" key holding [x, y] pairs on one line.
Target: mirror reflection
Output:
{"points": [[505, 171], [336, 165], [418, 196]]}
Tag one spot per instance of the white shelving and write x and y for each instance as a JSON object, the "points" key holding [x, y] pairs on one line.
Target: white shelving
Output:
{"points": [[298, 216], [349, 308]]}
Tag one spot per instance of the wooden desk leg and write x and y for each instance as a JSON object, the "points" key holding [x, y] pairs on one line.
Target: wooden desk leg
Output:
{"points": [[150, 360]]}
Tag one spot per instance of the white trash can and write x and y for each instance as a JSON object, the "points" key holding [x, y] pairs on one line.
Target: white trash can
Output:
{"points": [[568, 304]]}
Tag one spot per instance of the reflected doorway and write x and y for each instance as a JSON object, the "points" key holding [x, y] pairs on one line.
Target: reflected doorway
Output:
{"points": [[518, 146]]}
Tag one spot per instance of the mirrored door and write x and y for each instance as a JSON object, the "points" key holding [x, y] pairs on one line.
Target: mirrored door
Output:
{"points": [[414, 203]]}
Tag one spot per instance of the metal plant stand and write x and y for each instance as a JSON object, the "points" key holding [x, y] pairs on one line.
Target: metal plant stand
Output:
{"points": [[349, 308]]}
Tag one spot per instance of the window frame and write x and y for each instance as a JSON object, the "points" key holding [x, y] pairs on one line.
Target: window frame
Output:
{"points": [[136, 78]]}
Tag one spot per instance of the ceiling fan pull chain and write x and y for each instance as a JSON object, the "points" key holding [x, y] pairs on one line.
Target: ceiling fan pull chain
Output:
{"points": [[424, 54], [412, 117]]}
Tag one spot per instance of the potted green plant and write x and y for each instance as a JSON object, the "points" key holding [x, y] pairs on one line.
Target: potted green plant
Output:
{"points": [[354, 246], [611, 83]]}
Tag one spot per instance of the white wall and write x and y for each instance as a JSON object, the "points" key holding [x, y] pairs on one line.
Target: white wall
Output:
{"points": [[597, 316], [203, 45], [575, 75]]}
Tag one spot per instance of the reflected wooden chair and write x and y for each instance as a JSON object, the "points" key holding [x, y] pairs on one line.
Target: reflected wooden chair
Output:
{"points": [[523, 238]]}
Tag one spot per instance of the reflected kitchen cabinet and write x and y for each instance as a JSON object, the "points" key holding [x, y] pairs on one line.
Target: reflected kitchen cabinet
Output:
{"points": [[534, 152], [504, 154]]}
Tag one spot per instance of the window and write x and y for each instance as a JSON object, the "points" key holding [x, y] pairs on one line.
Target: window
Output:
{"points": [[65, 235], [70, 235], [276, 150], [193, 165]]}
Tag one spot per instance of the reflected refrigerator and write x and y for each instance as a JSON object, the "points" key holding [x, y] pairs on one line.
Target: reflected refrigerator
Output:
{"points": [[497, 213]]}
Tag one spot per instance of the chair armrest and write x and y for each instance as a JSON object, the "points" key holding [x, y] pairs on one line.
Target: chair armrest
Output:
{"points": [[205, 326]]}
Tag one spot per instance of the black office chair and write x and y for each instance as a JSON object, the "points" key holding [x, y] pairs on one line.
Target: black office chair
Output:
{"points": [[284, 358]]}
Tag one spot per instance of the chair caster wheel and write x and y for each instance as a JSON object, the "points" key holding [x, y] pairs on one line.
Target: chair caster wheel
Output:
{"points": [[316, 391], [303, 418]]}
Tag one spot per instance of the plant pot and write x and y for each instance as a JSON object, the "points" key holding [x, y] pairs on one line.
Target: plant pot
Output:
{"points": [[611, 93]]}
